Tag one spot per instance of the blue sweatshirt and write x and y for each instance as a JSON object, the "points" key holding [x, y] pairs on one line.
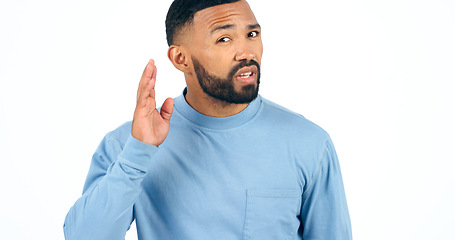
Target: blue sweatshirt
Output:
{"points": [[265, 173]]}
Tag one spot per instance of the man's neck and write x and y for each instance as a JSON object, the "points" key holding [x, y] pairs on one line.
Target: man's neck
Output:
{"points": [[210, 106]]}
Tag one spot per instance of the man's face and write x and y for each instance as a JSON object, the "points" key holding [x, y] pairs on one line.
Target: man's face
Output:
{"points": [[226, 51]]}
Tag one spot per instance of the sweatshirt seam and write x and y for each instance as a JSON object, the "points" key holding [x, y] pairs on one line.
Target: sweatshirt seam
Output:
{"points": [[316, 172]]}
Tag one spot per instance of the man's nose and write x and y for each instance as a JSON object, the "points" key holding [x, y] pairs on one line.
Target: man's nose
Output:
{"points": [[244, 52]]}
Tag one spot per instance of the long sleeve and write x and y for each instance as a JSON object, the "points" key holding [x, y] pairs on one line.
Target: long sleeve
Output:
{"points": [[105, 210], [324, 211]]}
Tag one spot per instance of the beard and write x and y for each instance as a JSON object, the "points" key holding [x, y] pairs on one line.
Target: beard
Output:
{"points": [[223, 89]]}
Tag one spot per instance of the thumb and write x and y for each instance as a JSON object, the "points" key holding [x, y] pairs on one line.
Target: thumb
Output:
{"points": [[166, 109]]}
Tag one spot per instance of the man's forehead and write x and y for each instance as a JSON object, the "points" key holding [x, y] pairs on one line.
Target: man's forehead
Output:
{"points": [[221, 14]]}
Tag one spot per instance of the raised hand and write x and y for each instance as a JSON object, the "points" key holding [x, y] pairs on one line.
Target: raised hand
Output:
{"points": [[149, 125]]}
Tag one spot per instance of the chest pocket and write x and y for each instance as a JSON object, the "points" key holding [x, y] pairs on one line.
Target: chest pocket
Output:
{"points": [[272, 214]]}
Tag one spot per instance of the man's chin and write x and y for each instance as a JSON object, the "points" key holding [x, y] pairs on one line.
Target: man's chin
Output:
{"points": [[246, 95]]}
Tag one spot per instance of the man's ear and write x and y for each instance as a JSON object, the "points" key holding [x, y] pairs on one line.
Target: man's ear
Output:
{"points": [[179, 57]]}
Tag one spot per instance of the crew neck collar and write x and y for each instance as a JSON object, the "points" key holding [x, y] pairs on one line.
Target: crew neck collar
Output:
{"points": [[217, 123]]}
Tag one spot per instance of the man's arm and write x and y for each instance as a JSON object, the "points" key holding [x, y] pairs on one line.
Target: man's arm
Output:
{"points": [[324, 211], [105, 210]]}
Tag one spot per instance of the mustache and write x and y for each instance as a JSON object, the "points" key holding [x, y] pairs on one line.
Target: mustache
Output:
{"points": [[242, 64]]}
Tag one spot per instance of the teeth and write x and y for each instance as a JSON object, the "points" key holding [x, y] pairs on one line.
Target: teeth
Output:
{"points": [[245, 75]]}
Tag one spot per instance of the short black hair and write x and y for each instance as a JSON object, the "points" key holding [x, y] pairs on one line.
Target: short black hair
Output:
{"points": [[182, 12]]}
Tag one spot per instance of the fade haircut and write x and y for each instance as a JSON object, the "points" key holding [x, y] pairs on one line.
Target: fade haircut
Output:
{"points": [[182, 12]]}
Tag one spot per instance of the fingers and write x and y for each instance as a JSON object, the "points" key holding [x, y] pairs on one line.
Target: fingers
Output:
{"points": [[148, 80], [166, 109]]}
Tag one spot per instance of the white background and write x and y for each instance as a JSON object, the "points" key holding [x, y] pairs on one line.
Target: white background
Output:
{"points": [[377, 75]]}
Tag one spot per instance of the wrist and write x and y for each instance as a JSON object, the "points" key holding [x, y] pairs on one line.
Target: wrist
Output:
{"points": [[137, 151]]}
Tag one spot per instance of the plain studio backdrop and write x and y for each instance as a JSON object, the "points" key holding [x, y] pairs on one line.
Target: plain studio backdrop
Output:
{"points": [[377, 75]]}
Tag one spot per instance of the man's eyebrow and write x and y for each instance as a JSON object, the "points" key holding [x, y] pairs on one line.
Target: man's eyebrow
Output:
{"points": [[229, 26], [222, 27], [254, 26]]}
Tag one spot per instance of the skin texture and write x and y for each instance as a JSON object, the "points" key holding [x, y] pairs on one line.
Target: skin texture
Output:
{"points": [[220, 38]]}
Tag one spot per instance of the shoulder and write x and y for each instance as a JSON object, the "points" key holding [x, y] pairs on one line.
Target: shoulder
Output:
{"points": [[292, 123]]}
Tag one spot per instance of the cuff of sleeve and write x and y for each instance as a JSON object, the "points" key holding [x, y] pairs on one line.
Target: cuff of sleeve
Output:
{"points": [[138, 152]]}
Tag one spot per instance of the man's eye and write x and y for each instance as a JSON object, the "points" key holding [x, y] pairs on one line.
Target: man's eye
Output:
{"points": [[224, 39], [253, 34]]}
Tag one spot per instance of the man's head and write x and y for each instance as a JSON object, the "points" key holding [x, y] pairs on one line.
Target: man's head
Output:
{"points": [[217, 45]]}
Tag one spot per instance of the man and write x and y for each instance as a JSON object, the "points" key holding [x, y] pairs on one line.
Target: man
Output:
{"points": [[219, 161]]}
